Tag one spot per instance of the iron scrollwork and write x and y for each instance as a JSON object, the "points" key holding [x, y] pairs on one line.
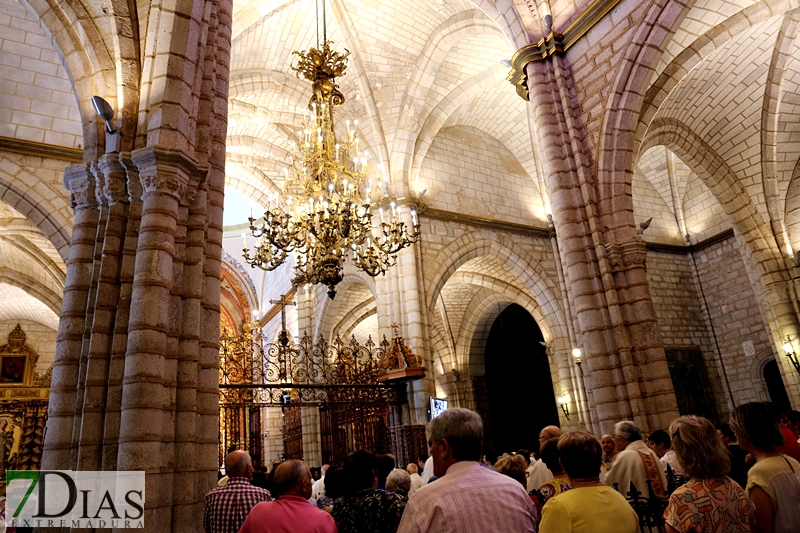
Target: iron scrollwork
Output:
{"points": [[256, 372]]}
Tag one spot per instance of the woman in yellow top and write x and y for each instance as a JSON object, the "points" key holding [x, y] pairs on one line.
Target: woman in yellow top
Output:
{"points": [[590, 506], [772, 483]]}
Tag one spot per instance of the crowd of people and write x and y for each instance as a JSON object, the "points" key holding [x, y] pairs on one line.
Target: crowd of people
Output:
{"points": [[739, 477]]}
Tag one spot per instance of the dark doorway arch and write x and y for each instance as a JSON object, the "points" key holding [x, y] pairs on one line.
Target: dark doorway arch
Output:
{"points": [[775, 387], [515, 397]]}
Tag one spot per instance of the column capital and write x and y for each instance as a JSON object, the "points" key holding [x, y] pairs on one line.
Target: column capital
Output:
{"points": [[168, 171], [81, 184], [111, 180], [626, 255], [134, 185]]}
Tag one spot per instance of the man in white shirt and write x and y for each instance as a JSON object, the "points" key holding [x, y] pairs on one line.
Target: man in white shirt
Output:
{"points": [[416, 480], [427, 472], [538, 472], [318, 489], [635, 463], [467, 497]]}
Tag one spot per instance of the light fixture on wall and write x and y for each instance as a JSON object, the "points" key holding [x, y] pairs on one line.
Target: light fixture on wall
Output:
{"points": [[563, 402], [106, 114], [325, 213], [576, 353], [790, 353]]}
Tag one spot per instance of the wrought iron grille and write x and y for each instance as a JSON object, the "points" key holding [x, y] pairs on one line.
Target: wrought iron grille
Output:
{"points": [[650, 508], [285, 372]]}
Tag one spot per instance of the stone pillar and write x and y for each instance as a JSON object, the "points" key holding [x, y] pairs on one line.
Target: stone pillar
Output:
{"points": [[165, 175], [120, 341], [81, 183], [112, 195], [312, 446], [624, 359]]}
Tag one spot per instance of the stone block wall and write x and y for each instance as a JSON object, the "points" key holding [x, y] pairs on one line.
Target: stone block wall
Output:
{"points": [[36, 98], [468, 171], [736, 319], [681, 314]]}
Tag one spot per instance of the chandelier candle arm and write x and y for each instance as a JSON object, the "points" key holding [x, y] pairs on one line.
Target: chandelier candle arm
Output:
{"points": [[326, 210]]}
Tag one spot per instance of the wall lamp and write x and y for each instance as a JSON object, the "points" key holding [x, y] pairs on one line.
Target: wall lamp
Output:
{"points": [[576, 353], [563, 403], [790, 353], [106, 114]]}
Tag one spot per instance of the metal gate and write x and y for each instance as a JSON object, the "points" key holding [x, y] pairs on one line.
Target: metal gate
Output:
{"points": [[339, 378]]}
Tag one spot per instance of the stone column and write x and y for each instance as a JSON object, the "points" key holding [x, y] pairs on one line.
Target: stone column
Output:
{"points": [[120, 341], [81, 183], [165, 175], [312, 445], [624, 359], [112, 194]]}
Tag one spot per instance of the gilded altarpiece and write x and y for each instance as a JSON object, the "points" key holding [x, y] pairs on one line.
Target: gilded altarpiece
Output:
{"points": [[23, 405]]}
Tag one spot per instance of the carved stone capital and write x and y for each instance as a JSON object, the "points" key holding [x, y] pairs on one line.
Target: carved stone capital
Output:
{"points": [[111, 180], [81, 184], [134, 184], [166, 171], [627, 255]]}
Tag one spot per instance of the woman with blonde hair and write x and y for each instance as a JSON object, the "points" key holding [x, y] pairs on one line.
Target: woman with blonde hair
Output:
{"points": [[513, 466], [710, 500]]}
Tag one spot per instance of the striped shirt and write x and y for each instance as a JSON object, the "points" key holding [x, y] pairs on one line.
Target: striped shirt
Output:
{"points": [[470, 499], [228, 506]]}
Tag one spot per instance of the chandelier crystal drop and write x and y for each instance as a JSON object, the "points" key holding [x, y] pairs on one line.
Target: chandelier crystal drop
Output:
{"points": [[331, 210]]}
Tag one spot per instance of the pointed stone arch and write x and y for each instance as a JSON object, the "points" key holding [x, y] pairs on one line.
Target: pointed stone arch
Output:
{"points": [[442, 40], [723, 183], [531, 274], [49, 212], [103, 63]]}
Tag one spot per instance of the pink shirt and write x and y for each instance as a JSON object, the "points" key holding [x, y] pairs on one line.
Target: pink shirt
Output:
{"points": [[470, 499], [289, 514]]}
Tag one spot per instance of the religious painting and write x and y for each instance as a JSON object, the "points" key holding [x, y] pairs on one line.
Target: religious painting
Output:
{"points": [[12, 369], [18, 361]]}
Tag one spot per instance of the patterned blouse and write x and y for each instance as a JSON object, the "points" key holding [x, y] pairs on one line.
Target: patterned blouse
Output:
{"points": [[717, 505], [551, 488], [369, 511]]}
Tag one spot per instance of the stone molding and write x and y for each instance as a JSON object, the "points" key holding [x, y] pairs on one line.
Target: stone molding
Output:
{"points": [[166, 171], [555, 43], [81, 184], [19, 146]]}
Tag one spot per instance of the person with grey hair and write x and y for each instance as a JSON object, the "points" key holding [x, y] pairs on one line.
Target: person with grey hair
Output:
{"points": [[635, 464], [467, 497], [291, 512], [399, 482], [227, 507]]}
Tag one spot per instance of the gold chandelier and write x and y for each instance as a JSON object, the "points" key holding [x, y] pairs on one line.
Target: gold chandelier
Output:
{"points": [[325, 214]]}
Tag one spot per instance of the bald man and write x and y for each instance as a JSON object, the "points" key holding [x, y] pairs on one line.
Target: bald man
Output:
{"points": [[416, 480], [227, 507], [538, 472], [291, 512]]}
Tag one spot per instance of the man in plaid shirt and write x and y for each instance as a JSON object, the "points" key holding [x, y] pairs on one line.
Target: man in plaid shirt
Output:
{"points": [[228, 506]]}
